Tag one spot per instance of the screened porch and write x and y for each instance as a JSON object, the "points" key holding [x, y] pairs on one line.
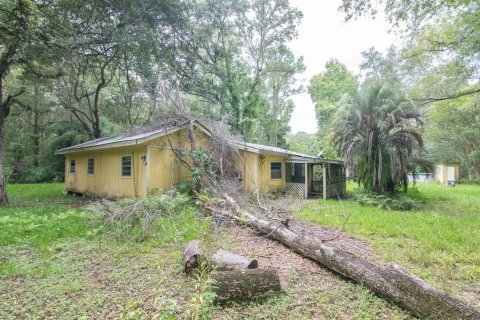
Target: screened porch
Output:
{"points": [[315, 178]]}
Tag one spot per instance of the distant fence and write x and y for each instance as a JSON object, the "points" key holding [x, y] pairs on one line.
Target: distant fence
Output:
{"points": [[422, 177]]}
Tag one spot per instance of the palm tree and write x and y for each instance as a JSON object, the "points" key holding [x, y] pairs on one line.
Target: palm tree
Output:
{"points": [[379, 139]]}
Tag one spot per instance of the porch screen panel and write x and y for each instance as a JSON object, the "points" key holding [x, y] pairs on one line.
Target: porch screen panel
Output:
{"points": [[296, 172], [288, 171], [295, 179], [317, 184]]}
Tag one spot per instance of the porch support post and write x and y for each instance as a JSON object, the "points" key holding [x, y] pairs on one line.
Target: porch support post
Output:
{"points": [[306, 180], [324, 178]]}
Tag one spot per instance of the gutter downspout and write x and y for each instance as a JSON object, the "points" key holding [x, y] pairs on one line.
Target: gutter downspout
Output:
{"points": [[147, 171]]}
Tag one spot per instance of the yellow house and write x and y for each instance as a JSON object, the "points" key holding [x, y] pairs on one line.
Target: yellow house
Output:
{"points": [[446, 172], [134, 164], [275, 169]]}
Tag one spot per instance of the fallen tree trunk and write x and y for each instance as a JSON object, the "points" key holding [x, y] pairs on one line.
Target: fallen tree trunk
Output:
{"points": [[394, 282], [225, 260], [245, 284], [193, 257]]}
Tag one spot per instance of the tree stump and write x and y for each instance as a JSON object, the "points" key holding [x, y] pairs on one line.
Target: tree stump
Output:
{"points": [[193, 257], [245, 284], [225, 260]]}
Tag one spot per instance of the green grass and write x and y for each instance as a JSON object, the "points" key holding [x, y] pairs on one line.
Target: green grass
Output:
{"points": [[41, 194], [58, 258], [439, 240], [40, 215]]}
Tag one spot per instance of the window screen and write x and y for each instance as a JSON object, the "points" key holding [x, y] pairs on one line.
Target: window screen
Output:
{"points": [[127, 166], [276, 170], [91, 166], [72, 166]]}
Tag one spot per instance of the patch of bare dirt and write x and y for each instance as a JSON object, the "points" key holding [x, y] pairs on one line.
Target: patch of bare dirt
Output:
{"points": [[312, 291], [272, 254]]}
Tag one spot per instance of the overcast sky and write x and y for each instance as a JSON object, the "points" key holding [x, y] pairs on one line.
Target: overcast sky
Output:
{"points": [[323, 35]]}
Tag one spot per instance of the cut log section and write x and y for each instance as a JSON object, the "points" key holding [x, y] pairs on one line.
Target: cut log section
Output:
{"points": [[225, 260], [245, 284], [193, 257], [393, 282]]}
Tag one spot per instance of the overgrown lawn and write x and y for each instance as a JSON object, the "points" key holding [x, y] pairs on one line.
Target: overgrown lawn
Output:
{"points": [[59, 259], [439, 240]]}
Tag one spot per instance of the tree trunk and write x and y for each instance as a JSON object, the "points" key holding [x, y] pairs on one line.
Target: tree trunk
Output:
{"points": [[245, 284], [225, 260], [193, 257], [394, 282], [193, 149], [275, 111], [3, 185], [36, 126]]}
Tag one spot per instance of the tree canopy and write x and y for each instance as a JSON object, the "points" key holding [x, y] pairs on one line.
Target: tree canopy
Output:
{"points": [[72, 71]]}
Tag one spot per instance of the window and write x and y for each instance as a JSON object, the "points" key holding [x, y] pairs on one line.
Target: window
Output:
{"points": [[90, 166], [127, 166], [276, 170], [72, 166]]}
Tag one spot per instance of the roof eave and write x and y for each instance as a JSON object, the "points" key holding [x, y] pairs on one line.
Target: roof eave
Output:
{"points": [[130, 142], [117, 144], [245, 147], [99, 147]]}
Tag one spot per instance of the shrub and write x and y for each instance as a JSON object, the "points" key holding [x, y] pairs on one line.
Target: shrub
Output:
{"points": [[397, 202]]}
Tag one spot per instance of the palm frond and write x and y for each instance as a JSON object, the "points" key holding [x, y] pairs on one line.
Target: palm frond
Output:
{"points": [[379, 138]]}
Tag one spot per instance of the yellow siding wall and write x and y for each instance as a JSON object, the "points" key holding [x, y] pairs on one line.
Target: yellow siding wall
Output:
{"points": [[441, 172], [266, 182], [248, 165], [256, 171], [161, 170], [165, 171], [106, 180]]}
